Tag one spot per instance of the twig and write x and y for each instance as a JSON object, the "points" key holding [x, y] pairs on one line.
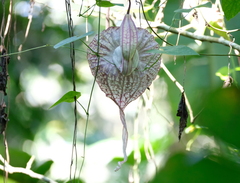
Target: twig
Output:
{"points": [[191, 35], [30, 162], [181, 89], [30, 18], [10, 169], [8, 25]]}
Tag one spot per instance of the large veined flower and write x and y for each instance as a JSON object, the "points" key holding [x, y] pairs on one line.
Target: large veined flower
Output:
{"points": [[124, 68]]}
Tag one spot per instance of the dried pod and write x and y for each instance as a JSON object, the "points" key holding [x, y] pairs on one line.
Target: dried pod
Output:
{"points": [[4, 61], [183, 114], [124, 68], [3, 118]]}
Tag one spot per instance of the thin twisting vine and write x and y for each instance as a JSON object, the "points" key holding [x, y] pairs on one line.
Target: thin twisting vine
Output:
{"points": [[72, 56], [91, 94]]}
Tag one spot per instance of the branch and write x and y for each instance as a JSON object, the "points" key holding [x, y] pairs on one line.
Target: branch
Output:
{"points": [[191, 35], [10, 169], [181, 89]]}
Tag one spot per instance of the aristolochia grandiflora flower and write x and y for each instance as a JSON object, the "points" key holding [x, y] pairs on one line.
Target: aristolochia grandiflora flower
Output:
{"points": [[124, 68]]}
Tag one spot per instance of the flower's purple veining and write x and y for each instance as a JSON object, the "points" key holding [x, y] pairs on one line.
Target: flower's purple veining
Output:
{"points": [[125, 67]]}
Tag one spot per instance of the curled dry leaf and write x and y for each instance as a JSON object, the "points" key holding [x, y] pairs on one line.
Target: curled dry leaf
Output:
{"points": [[124, 68], [3, 118], [183, 114]]}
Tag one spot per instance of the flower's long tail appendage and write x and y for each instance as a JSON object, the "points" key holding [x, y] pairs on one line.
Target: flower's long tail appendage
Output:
{"points": [[124, 139]]}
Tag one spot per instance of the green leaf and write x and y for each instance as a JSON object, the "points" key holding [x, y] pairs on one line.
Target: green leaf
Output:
{"points": [[201, 166], [106, 4], [68, 97], [217, 29], [237, 68], [221, 115], [206, 5], [230, 8], [75, 180], [183, 10], [151, 9], [180, 50], [9, 180], [71, 39], [43, 168], [116, 4], [223, 73]]}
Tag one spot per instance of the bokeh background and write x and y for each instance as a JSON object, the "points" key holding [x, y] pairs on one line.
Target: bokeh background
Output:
{"points": [[209, 148]]}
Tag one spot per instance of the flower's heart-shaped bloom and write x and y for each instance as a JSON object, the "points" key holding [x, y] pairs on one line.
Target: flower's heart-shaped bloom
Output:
{"points": [[125, 67], [123, 89]]}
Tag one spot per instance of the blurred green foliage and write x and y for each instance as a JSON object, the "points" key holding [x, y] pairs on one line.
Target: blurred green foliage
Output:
{"points": [[197, 167], [221, 115], [220, 120], [31, 124]]}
